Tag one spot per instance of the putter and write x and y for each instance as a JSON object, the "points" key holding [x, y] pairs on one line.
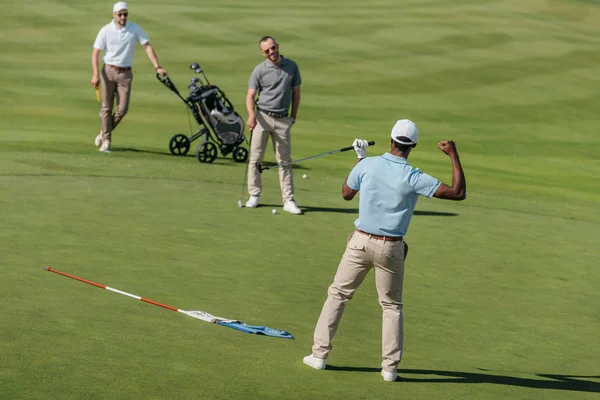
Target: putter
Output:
{"points": [[201, 315], [241, 200], [261, 168]]}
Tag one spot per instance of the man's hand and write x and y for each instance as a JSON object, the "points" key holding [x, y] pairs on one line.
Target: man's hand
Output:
{"points": [[252, 122], [360, 147], [448, 147], [161, 71], [95, 81]]}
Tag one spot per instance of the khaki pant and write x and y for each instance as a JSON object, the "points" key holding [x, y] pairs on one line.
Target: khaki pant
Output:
{"points": [[362, 253], [114, 84], [279, 130]]}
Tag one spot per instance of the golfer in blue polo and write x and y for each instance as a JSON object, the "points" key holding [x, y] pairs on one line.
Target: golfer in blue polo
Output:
{"points": [[389, 188]]}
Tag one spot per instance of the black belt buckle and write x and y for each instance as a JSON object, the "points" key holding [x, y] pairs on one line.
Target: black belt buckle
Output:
{"points": [[273, 115]]}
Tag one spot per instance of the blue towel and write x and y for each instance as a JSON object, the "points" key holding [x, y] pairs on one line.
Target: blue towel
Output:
{"points": [[258, 330]]}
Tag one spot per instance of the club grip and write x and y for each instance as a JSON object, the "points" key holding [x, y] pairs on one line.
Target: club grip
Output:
{"points": [[371, 143]]}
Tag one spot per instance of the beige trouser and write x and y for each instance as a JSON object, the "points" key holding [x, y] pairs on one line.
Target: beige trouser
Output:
{"points": [[362, 253], [114, 84], [279, 130]]}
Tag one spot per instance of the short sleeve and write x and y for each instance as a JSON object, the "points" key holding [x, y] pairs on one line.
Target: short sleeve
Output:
{"points": [[297, 79], [100, 42], [355, 177], [423, 184], [254, 81], [141, 36]]}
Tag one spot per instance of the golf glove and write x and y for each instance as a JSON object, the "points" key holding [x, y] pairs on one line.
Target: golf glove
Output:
{"points": [[360, 147]]}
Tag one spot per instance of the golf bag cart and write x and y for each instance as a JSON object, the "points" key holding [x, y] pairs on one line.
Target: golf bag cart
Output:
{"points": [[220, 125]]}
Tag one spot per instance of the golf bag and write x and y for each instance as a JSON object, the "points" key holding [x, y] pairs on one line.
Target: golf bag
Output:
{"points": [[221, 126]]}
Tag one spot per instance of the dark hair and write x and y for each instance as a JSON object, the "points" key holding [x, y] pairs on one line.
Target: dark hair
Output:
{"points": [[265, 38], [403, 147]]}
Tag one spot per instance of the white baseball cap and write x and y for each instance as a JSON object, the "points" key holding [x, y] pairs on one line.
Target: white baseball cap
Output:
{"points": [[405, 132], [120, 6]]}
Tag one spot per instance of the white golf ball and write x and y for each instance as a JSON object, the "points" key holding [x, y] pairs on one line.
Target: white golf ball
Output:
{"points": [[304, 176], [274, 211]]}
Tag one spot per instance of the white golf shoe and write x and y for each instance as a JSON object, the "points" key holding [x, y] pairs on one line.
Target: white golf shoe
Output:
{"points": [[292, 208], [98, 140], [389, 376], [105, 147], [316, 363], [252, 202]]}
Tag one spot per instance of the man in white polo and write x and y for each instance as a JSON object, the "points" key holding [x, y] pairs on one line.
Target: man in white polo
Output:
{"points": [[117, 39]]}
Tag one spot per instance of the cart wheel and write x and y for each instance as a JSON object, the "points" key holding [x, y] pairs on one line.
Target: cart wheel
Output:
{"points": [[179, 145], [206, 152], [240, 154]]}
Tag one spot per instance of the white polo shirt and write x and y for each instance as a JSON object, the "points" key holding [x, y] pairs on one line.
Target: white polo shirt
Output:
{"points": [[118, 44]]}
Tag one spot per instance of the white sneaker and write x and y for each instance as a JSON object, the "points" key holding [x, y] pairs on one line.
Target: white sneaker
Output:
{"points": [[316, 363], [389, 376], [98, 140], [291, 207], [105, 148], [252, 202]]}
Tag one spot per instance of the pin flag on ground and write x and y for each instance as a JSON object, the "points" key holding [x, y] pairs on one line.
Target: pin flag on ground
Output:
{"points": [[201, 315]]}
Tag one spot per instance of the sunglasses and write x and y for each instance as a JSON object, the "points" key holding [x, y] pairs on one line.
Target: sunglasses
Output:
{"points": [[123, 14], [270, 49]]}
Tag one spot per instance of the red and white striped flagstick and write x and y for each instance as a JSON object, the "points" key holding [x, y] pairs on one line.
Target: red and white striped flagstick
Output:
{"points": [[114, 290], [202, 315]]}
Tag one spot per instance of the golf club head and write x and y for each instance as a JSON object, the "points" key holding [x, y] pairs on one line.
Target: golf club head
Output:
{"points": [[260, 167], [196, 68]]}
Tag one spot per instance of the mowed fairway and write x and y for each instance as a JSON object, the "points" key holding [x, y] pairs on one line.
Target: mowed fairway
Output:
{"points": [[501, 291]]}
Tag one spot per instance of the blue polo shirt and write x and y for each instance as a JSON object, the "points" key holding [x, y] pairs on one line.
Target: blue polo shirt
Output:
{"points": [[389, 189]]}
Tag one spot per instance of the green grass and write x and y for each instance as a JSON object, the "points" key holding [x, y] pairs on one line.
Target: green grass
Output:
{"points": [[501, 295]]}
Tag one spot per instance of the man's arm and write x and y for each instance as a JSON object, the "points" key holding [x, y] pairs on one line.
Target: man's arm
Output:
{"points": [[295, 101], [95, 75], [360, 147], [152, 56], [250, 107], [347, 192], [458, 190]]}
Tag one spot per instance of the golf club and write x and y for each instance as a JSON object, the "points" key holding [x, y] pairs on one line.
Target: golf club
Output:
{"points": [[198, 69], [201, 315], [98, 100], [262, 168], [241, 200]]}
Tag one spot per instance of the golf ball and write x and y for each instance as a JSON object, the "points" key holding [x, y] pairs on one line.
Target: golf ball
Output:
{"points": [[274, 211], [304, 176]]}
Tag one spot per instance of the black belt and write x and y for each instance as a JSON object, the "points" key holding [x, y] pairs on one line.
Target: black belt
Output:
{"points": [[116, 67], [384, 238], [272, 114]]}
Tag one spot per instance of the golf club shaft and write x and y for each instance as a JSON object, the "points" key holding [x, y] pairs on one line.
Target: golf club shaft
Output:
{"points": [[246, 172], [99, 103], [112, 289], [261, 168]]}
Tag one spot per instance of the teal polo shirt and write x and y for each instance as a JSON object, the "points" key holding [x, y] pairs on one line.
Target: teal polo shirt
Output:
{"points": [[389, 190]]}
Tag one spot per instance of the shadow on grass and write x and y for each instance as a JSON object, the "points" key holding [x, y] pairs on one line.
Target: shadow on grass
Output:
{"points": [[308, 209], [576, 383], [192, 154]]}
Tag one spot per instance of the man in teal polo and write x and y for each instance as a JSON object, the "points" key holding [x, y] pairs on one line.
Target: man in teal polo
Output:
{"points": [[389, 188]]}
